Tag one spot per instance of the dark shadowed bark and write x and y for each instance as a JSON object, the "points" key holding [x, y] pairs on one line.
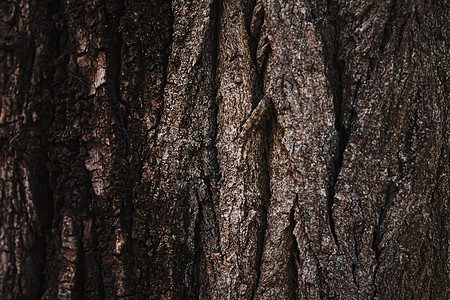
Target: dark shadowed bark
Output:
{"points": [[224, 149]]}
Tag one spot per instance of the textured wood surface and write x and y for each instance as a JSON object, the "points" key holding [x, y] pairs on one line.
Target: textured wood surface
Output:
{"points": [[223, 149]]}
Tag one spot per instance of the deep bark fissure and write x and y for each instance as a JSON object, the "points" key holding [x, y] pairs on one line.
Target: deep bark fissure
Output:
{"points": [[80, 275], [44, 212], [41, 245], [329, 30], [165, 71], [253, 41], [377, 233], [390, 193], [105, 11], [213, 203], [255, 17], [392, 188], [266, 195], [294, 259], [212, 206], [388, 27], [330, 203], [43, 196], [118, 196], [319, 273], [211, 47], [260, 251], [31, 141], [147, 181], [216, 13], [198, 251], [82, 248], [249, 7], [321, 279], [116, 56], [101, 286]]}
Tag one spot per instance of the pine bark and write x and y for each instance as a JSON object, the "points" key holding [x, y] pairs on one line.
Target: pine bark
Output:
{"points": [[224, 149]]}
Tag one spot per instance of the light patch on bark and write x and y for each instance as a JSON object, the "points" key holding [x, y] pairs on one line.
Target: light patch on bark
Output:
{"points": [[67, 233], [93, 69], [23, 23], [28, 196], [120, 242], [66, 278], [94, 165], [100, 72]]}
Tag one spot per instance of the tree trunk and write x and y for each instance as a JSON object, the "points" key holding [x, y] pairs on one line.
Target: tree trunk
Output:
{"points": [[224, 149]]}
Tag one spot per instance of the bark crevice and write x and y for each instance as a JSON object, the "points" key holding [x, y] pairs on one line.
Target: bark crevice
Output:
{"points": [[209, 206], [216, 11], [254, 20], [266, 194], [294, 259], [387, 32], [165, 71], [329, 29]]}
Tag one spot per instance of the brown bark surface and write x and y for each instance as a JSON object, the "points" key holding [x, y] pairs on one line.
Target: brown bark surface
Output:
{"points": [[224, 149]]}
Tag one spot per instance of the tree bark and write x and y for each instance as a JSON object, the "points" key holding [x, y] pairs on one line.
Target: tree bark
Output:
{"points": [[224, 149]]}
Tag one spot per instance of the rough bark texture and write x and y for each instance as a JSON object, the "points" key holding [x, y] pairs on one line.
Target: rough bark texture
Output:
{"points": [[222, 149]]}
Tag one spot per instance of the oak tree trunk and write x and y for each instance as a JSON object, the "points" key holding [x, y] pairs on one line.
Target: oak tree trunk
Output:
{"points": [[223, 149]]}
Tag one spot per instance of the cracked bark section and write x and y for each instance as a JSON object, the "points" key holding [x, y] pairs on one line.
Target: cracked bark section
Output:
{"points": [[223, 149], [145, 58], [92, 195], [327, 25], [303, 138], [185, 155], [25, 112], [210, 235], [242, 144], [294, 260], [386, 87]]}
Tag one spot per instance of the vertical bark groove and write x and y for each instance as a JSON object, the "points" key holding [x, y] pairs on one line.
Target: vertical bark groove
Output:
{"points": [[295, 254], [328, 26]]}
